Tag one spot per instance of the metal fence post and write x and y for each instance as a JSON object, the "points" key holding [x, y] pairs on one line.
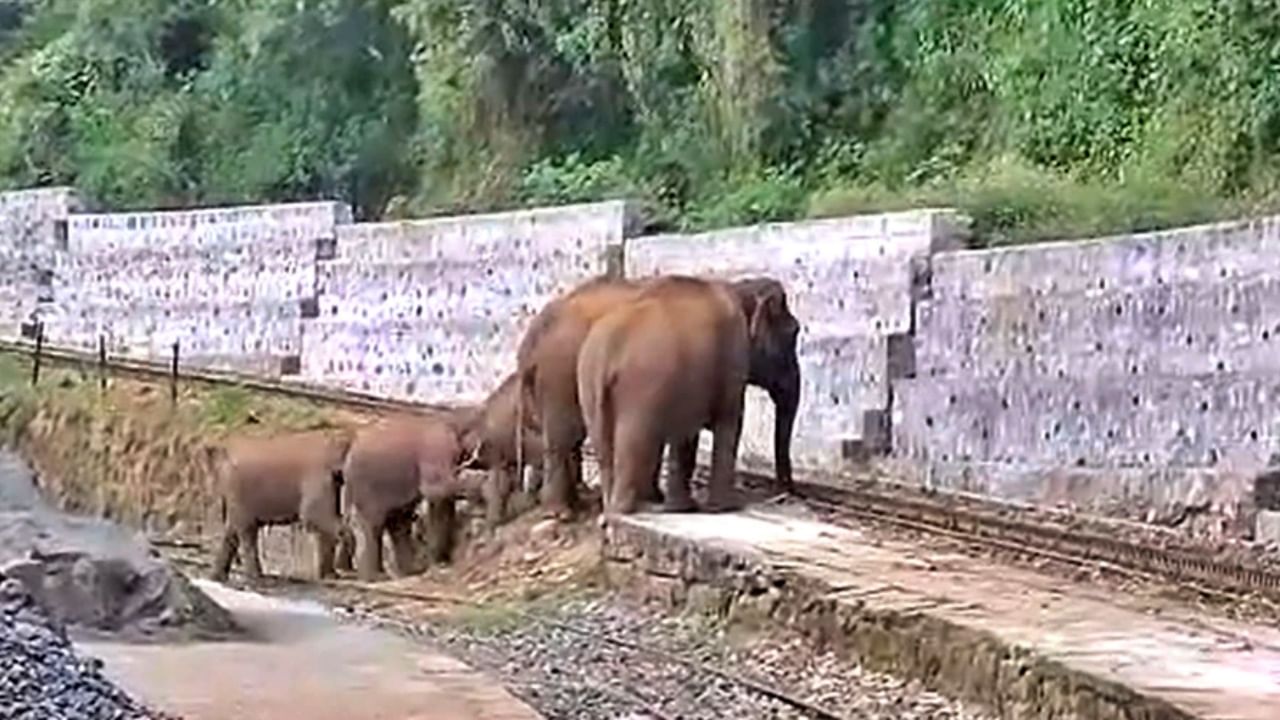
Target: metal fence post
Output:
{"points": [[173, 375], [35, 364], [102, 362]]}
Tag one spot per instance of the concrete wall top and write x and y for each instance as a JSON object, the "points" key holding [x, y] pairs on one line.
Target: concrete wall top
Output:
{"points": [[204, 229], [468, 236], [1223, 251]]}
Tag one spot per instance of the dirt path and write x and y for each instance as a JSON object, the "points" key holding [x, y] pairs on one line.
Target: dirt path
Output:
{"points": [[302, 663]]}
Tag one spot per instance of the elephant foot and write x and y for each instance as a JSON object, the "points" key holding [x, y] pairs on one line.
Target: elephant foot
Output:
{"points": [[371, 577], [564, 515], [728, 502], [680, 505]]}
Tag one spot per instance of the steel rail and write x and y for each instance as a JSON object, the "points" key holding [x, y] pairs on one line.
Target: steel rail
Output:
{"points": [[1046, 539]]}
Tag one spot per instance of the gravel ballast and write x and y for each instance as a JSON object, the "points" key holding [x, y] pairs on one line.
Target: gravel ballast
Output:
{"points": [[568, 676], [41, 675]]}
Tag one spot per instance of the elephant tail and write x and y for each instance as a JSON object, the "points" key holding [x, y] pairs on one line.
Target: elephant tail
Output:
{"points": [[524, 393], [520, 437]]}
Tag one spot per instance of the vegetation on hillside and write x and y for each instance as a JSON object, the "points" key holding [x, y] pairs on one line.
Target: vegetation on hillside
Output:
{"points": [[1041, 118]]}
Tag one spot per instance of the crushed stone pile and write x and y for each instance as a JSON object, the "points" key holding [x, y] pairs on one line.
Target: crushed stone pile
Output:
{"points": [[41, 675], [95, 576]]}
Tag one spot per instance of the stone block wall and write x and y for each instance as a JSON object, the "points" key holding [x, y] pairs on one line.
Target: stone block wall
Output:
{"points": [[230, 285], [850, 282], [32, 233], [1135, 375], [434, 310]]}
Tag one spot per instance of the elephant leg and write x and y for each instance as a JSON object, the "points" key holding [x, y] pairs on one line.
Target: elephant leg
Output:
{"points": [[681, 462], [329, 533], [532, 480], [344, 559], [249, 551], [370, 566], [563, 432], [442, 516], [497, 492], [722, 493], [227, 549], [326, 546], [400, 528], [320, 517], [637, 456]]}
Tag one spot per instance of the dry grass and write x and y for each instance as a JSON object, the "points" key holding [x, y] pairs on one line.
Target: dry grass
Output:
{"points": [[129, 453]]}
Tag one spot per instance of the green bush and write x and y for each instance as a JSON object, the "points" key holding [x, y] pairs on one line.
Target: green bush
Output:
{"points": [[1011, 203], [1044, 118]]}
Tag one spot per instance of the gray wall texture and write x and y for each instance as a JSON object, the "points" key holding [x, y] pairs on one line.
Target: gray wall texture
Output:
{"points": [[32, 230], [230, 285], [434, 310], [1133, 375]]}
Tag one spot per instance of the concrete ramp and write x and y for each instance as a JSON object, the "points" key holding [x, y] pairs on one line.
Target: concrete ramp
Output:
{"points": [[1026, 645], [300, 662]]}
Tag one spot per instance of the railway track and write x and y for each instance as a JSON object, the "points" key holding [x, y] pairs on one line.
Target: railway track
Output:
{"points": [[757, 687], [979, 523], [1085, 547], [194, 557]]}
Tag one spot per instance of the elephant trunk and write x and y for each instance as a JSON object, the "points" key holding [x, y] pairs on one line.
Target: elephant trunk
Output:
{"points": [[786, 402]]}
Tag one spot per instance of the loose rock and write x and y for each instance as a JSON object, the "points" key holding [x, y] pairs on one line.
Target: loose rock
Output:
{"points": [[92, 575], [41, 675]]}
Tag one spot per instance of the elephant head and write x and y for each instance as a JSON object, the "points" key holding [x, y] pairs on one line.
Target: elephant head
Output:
{"points": [[467, 422], [774, 365]]}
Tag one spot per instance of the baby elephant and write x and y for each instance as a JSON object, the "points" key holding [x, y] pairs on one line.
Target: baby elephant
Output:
{"points": [[392, 466], [495, 437], [281, 480]]}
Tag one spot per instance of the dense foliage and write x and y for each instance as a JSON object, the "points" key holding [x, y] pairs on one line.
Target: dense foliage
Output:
{"points": [[1040, 117]]}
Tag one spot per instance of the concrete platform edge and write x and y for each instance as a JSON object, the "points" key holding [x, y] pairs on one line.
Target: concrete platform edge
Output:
{"points": [[1014, 682]]}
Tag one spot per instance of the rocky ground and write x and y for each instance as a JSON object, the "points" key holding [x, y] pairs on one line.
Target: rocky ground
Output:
{"points": [[92, 575], [41, 675], [62, 575], [567, 675], [531, 591]]}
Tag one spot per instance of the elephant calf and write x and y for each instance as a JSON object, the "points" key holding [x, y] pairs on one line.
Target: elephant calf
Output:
{"points": [[502, 447], [282, 480], [393, 465]]}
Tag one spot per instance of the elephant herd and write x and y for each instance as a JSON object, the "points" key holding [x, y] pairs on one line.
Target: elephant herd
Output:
{"points": [[636, 366]]}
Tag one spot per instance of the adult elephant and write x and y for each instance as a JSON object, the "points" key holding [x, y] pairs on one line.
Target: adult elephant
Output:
{"points": [[548, 367], [659, 369]]}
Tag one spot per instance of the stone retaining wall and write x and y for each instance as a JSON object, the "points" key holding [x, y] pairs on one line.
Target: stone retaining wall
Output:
{"points": [[32, 234], [231, 286], [433, 310], [1135, 374]]}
